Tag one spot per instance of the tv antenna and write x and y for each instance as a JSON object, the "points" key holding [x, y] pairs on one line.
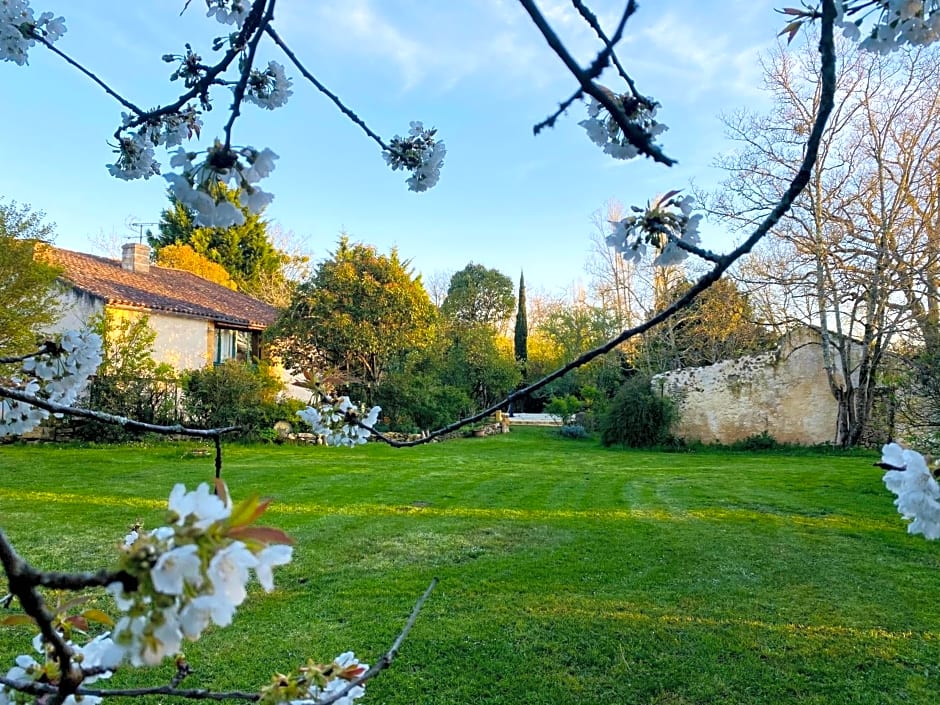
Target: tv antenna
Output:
{"points": [[140, 230]]}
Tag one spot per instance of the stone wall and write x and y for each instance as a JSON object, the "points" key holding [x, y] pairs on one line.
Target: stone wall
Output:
{"points": [[783, 393]]}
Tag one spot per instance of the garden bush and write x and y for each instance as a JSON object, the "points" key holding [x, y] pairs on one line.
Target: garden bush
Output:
{"points": [[233, 394], [637, 417], [573, 430]]}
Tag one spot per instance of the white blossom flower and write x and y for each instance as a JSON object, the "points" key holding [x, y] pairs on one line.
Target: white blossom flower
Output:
{"points": [[164, 639], [99, 653], [604, 131], [255, 199], [659, 226], [135, 158], [261, 164], [198, 613], [918, 493], [205, 507], [197, 187], [228, 572], [268, 88], [19, 29], [229, 11], [339, 422], [177, 568], [57, 376], [894, 23], [421, 153], [270, 556]]}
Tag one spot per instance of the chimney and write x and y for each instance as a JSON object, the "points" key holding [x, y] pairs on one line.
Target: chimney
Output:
{"points": [[135, 257]]}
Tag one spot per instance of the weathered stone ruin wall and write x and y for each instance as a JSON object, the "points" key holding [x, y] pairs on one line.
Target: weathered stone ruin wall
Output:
{"points": [[783, 393]]}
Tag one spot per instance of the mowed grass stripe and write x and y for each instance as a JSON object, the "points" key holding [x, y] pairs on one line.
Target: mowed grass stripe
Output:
{"points": [[536, 515]]}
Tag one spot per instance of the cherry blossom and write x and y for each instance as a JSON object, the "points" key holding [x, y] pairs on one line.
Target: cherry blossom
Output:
{"points": [[420, 153], [918, 493], [604, 131], [58, 375], [339, 422], [663, 224], [19, 29], [269, 88]]}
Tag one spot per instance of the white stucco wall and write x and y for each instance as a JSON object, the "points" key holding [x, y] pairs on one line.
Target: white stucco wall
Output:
{"points": [[76, 309], [184, 343], [181, 342], [784, 393]]}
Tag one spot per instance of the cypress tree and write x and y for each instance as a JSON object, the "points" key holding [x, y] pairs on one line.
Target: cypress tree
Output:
{"points": [[522, 325]]}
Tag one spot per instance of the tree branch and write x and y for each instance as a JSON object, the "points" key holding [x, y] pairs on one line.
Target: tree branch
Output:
{"points": [[52, 407], [239, 93], [38, 688], [49, 347], [386, 660], [201, 88], [323, 89], [21, 580], [71, 62], [591, 19], [634, 134]]}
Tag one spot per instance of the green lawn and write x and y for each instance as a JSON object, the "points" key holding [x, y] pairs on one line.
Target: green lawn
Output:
{"points": [[569, 573]]}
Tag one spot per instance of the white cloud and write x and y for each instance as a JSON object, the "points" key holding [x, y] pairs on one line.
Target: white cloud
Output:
{"points": [[444, 44], [704, 55]]}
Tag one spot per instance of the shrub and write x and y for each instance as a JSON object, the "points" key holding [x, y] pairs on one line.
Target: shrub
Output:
{"points": [[129, 382], [411, 403], [573, 430], [564, 408], [760, 441], [637, 417], [231, 394]]}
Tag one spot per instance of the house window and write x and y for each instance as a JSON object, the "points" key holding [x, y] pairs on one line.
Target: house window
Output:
{"points": [[232, 345]]}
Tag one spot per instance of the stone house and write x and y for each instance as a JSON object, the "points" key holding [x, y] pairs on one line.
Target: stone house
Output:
{"points": [[197, 322], [783, 393]]}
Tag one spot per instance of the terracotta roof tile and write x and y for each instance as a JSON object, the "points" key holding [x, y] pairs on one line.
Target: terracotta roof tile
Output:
{"points": [[161, 289]]}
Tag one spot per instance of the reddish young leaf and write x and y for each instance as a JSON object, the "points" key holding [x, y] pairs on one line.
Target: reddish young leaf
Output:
{"points": [[261, 534]]}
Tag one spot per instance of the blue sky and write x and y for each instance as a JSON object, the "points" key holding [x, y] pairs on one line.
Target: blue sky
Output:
{"points": [[478, 70]]}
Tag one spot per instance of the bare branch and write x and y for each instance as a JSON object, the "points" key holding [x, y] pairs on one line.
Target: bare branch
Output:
{"points": [[386, 660], [634, 134], [323, 89], [49, 347], [246, 74], [591, 19], [71, 62], [52, 407], [562, 107]]}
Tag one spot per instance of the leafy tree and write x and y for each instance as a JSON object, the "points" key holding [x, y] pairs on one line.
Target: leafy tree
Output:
{"points": [[480, 361], [718, 325], [245, 251], [359, 313], [27, 298], [183, 256], [579, 327], [479, 296], [521, 339], [566, 331]]}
